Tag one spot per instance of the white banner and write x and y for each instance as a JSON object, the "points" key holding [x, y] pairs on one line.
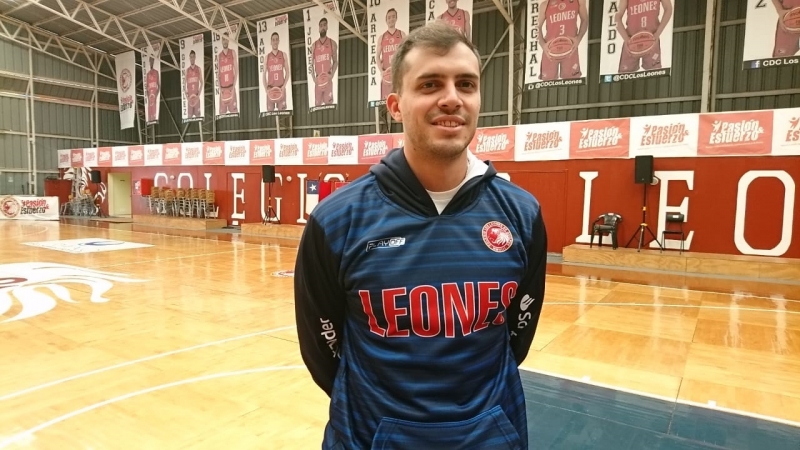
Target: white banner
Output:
{"points": [[786, 132], [193, 99], [669, 136], [226, 72], [322, 48], [64, 157], [343, 150], [125, 65], [457, 13], [151, 74], [772, 33], [28, 208], [636, 40], [542, 141], [289, 152], [387, 28], [558, 47], [274, 67]]}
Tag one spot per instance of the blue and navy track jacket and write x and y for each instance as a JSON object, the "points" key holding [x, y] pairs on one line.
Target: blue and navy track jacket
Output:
{"points": [[413, 322]]}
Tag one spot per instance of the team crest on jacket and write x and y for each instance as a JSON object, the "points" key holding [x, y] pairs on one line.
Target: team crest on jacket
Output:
{"points": [[497, 236]]}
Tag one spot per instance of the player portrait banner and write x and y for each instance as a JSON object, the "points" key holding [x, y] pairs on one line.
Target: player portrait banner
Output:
{"points": [[274, 67], [151, 74], [125, 65], [636, 41], [772, 33], [457, 13], [557, 43], [388, 25], [193, 101], [322, 56], [226, 71]]}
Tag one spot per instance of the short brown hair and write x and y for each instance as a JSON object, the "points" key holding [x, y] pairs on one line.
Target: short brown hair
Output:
{"points": [[437, 36]]}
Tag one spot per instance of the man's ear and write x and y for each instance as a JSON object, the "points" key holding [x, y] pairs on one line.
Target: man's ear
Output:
{"points": [[393, 105]]}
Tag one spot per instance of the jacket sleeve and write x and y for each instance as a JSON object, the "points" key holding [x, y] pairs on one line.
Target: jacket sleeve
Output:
{"points": [[319, 305], [526, 306]]}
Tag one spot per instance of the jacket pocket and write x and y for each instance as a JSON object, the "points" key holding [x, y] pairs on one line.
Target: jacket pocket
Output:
{"points": [[488, 430]]}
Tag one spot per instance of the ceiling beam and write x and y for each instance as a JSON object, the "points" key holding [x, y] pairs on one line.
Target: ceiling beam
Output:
{"points": [[51, 44], [101, 22], [201, 17]]}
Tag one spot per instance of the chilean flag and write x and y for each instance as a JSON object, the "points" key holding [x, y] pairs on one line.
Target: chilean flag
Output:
{"points": [[312, 195]]}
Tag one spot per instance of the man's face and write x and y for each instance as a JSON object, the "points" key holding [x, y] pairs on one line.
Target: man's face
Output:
{"points": [[225, 40], [192, 58], [391, 19], [152, 62], [323, 28], [452, 4], [439, 100], [275, 41]]}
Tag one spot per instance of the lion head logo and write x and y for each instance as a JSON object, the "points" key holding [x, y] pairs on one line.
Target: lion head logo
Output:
{"points": [[9, 207], [29, 283], [497, 236]]}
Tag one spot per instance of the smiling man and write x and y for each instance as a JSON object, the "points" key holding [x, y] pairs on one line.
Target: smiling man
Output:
{"points": [[418, 287]]}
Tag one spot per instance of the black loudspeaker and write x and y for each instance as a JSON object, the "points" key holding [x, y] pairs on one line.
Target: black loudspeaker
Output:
{"points": [[95, 176], [644, 169], [268, 174]]}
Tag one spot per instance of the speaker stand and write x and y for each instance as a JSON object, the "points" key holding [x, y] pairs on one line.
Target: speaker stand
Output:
{"points": [[643, 226], [270, 211]]}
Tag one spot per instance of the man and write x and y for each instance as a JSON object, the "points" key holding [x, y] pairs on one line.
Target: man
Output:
{"points": [[642, 15], [786, 43], [390, 40], [326, 61], [457, 17], [227, 74], [193, 84], [276, 75], [561, 17], [153, 88], [418, 287]]}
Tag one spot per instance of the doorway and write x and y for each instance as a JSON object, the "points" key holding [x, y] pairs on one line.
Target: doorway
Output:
{"points": [[119, 194]]}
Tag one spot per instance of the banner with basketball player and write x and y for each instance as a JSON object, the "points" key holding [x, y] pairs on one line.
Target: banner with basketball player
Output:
{"points": [[192, 84], [274, 67], [457, 13], [151, 74], [226, 71], [636, 41], [772, 33], [388, 25], [558, 46], [322, 63], [125, 65]]}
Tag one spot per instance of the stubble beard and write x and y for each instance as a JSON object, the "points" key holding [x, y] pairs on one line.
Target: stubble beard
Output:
{"points": [[441, 150]]}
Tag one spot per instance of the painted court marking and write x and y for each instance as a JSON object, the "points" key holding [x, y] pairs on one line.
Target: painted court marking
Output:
{"points": [[27, 434], [137, 361], [87, 245]]}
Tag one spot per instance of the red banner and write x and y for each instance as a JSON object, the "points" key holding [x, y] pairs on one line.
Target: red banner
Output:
{"points": [[262, 152], [315, 151], [373, 147], [213, 153], [745, 133], [172, 155], [607, 138], [105, 157], [495, 144], [136, 155]]}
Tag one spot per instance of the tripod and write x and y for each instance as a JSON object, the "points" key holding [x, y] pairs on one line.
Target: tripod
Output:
{"points": [[643, 226], [270, 210]]}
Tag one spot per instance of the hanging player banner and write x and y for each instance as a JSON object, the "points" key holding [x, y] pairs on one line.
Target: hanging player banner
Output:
{"points": [[274, 68], [388, 25], [636, 41], [557, 43], [193, 101], [151, 74], [457, 13], [226, 71], [125, 65], [322, 48], [772, 33]]}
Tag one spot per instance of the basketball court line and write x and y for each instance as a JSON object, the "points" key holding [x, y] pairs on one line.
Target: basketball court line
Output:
{"points": [[27, 434], [586, 380], [653, 286], [668, 305], [137, 361]]}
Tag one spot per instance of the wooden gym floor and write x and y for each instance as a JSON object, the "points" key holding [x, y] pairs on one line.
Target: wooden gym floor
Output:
{"points": [[188, 341]]}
